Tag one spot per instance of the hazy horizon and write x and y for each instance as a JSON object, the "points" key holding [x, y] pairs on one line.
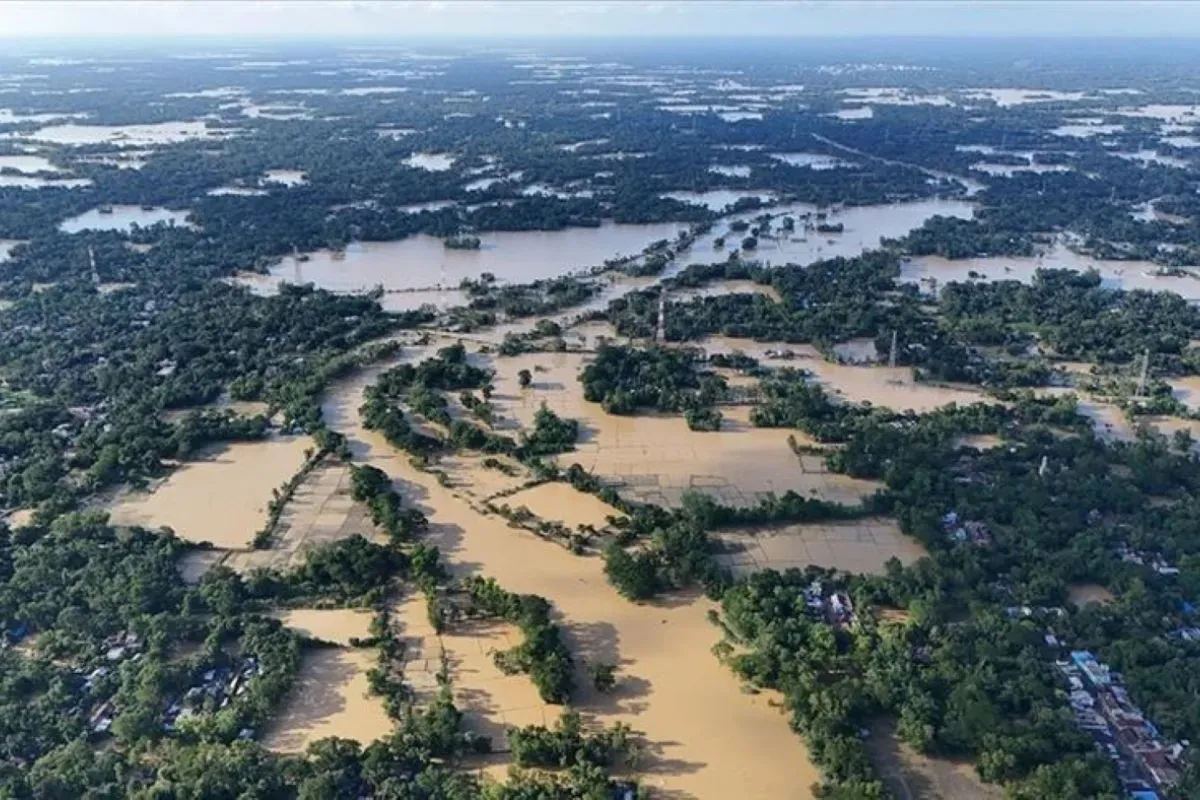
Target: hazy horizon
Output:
{"points": [[289, 20]]}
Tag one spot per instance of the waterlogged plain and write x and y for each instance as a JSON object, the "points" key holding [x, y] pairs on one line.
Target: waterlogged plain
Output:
{"points": [[133, 135], [563, 503], [890, 387], [422, 262], [221, 498], [863, 227], [655, 457], [1126, 275], [490, 700], [330, 697], [860, 546], [702, 736], [121, 218]]}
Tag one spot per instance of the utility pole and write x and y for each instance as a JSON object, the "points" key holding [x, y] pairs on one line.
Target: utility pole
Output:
{"points": [[1145, 372], [95, 272], [296, 263], [892, 354], [442, 287], [660, 333]]}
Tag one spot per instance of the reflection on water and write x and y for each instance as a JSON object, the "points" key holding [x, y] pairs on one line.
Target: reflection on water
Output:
{"points": [[8, 117], [732, 171], [811, 160], [1153, 157], [862, 112], [139, 135], [863, 228], [6, 247], [738, 116], [1181, 141], [31, 182], [27, 164], [1126, 275], [1085, 130], [121, 218], [235, 191], [423, 261], [718, 199], [1015, 97], [1008, 170], [287, 177], [434, 162]]}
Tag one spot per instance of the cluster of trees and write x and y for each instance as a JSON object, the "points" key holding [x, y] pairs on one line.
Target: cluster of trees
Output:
{"points": [[981, 689], [551, 434], [372, 486], [625, 379], [527, 300], [542, 654], [1080, 319], [568, 745], [952, 237], [101, 368]]}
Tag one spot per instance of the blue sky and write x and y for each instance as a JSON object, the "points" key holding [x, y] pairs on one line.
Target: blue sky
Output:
{"points": [[291, 19]]}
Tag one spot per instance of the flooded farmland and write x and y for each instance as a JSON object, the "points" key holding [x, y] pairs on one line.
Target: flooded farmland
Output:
{"points": [[891, 387], [1126, 275], [490, 700], [220, 499], [563, 503], [731, 744], [331, 697], [656, 458], [334, 625], [861, 546]]}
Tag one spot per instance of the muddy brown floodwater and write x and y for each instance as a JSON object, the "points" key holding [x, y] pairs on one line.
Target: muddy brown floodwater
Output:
{"points": [[1086, 594], [860, 546], [331, 696], [220, 499], [703, 737], [564, 503], [1126, 275], [891, 387], [656, 458], [422, 262], [489, 700]]}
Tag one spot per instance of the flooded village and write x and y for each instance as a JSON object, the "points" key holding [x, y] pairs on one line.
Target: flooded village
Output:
{"points": [[631, 427]]}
